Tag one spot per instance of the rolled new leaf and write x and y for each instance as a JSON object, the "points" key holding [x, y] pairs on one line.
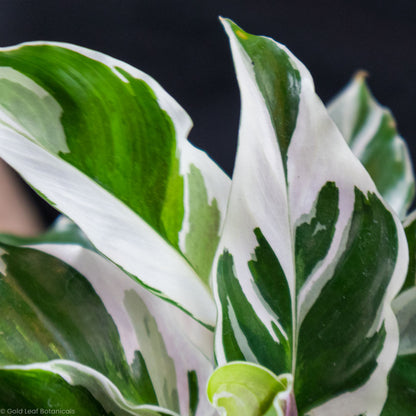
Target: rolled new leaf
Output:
{"points": [[241, 388], [73, 319], [310, 257], [371, 132], [106, 145]]}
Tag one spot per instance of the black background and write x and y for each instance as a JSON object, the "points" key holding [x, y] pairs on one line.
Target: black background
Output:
{"points": [[183, 46]]}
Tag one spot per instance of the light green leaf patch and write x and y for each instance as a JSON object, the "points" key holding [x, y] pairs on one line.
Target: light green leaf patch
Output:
{"points": [[204, 220], [241, 388]]}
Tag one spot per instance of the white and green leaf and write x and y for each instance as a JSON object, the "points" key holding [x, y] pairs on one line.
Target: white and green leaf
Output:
{"points": [[73, 319], [310, 257], [59, 387], [371, 132], [107, 146]]}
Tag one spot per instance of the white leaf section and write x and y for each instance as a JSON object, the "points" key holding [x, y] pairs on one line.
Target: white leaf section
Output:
{"points": [[409, 219], [11, 74], [258, 195], [187, 342], [3, 265], [110, 225], [346, 114], [240, 337], [345, 109], [284, 403], [319, 154], [404, 307]]}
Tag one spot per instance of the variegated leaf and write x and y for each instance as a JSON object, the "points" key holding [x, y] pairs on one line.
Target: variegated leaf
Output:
{"points": [[402, 379], [27, 389], [106, 145], [310, 257], [371, 132], [73, 318]]}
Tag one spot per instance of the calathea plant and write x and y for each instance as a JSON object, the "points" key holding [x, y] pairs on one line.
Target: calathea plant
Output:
{"points": [[172, 290]]}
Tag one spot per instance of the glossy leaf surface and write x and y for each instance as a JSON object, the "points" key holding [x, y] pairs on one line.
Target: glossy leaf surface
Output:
{"points": [[106, 145], [310, 257], [68, 311]]}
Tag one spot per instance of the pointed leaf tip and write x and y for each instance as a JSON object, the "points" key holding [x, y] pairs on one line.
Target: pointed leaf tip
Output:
{"points": [[230, 25], [361, 75]]}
